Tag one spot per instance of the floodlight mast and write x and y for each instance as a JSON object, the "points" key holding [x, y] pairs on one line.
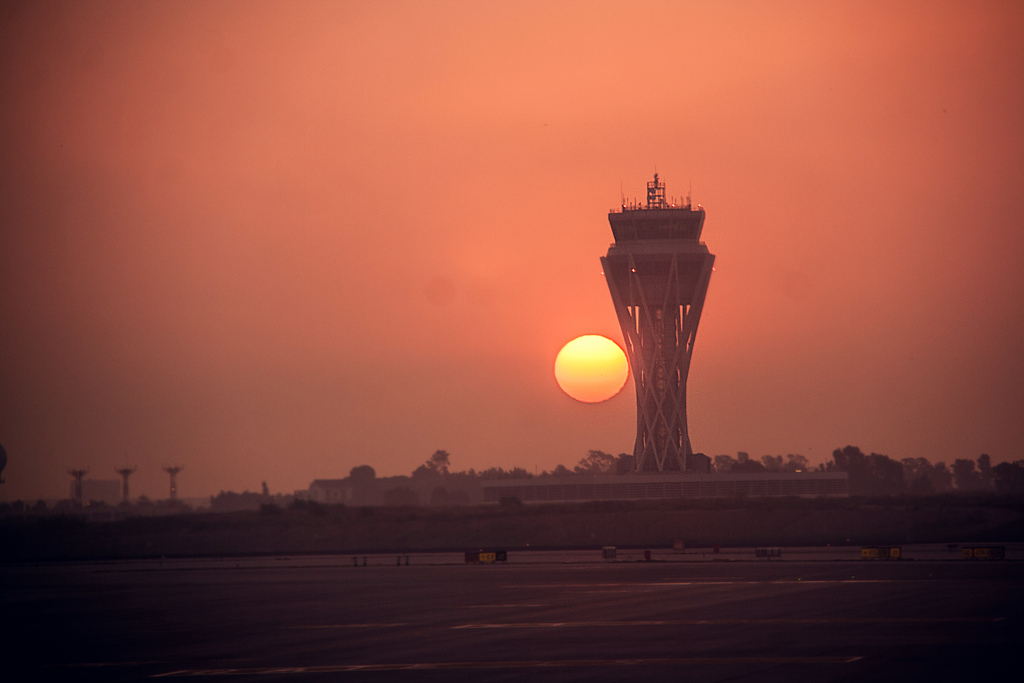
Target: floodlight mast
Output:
{"points": [[173, 471], [78, 473], [125, 472], [658, 272]]}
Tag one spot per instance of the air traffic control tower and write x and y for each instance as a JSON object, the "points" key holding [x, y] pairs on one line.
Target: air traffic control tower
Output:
{"points": [[658, 272]]}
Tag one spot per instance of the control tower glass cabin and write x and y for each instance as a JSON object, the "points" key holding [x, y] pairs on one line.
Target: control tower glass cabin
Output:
{"points": [[658, 272]]}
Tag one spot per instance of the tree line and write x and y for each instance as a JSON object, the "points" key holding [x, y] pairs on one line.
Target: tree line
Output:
{"points": [[435, 483], [880, 475]]}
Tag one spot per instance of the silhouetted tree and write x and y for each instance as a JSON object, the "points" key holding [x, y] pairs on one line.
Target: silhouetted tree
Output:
{"points": [[772, 463], [924, 478], [362, 474], [873, 474], [886, 475], [796, 463], [985, 471], [967, 480], [596, 462], [725, 463], [941, 477], [364, 485], [970, 480], [747, 466], [1008, 478], [439, 462], [915, 473], [435, 466], [625, 463], [499, 473], [850, 460]]}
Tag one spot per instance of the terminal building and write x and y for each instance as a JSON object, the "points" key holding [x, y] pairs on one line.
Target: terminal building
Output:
{"points": [[580, 488]]}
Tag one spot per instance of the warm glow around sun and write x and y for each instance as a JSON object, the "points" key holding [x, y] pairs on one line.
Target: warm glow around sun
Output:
{"points": [[591, 368]]}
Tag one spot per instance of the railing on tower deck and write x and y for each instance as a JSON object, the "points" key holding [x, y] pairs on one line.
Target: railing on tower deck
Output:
{"points": [[634, 205]]}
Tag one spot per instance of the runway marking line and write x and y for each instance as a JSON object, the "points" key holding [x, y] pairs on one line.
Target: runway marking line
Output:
{"points": [[88, 665], [396, 624], [728, 622], [668, 584], [419, 666], [671, 622], [518, 604]]}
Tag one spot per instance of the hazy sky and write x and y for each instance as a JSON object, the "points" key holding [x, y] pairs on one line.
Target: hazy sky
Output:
{"points": [[276, 240]]}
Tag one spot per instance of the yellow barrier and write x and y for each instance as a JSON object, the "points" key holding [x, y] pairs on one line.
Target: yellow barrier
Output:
{"points": [[993, 552], [482, 556], [894, 552]]}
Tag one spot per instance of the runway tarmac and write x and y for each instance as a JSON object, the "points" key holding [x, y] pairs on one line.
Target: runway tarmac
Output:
{"points": [[543, 617]]}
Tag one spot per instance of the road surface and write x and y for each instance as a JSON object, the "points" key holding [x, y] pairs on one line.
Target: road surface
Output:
{"points": [[564, 618]]}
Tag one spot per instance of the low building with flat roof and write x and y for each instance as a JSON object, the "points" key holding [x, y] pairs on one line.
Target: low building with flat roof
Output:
{"points": [[667, 486]]}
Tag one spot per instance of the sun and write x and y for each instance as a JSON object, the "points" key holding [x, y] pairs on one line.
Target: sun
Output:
{"points": [[591, 368]]}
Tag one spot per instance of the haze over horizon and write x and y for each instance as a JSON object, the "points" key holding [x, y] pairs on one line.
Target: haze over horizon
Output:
{"points": [[272, 241]]}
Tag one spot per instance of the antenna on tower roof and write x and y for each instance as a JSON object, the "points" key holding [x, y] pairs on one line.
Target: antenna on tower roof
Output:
{"points": [[655, 194]]}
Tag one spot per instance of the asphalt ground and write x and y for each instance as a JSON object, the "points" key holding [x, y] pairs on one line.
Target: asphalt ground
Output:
{"points": [[545, 617]]}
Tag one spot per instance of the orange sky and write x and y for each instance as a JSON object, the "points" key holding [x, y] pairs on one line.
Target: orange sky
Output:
{"points": [[275, 240]]}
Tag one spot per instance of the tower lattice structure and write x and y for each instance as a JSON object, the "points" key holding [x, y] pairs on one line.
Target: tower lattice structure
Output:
{"points": [[658, 271]]}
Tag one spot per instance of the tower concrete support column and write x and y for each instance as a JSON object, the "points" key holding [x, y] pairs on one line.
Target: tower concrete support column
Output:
{"points": [[658, 273]]}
